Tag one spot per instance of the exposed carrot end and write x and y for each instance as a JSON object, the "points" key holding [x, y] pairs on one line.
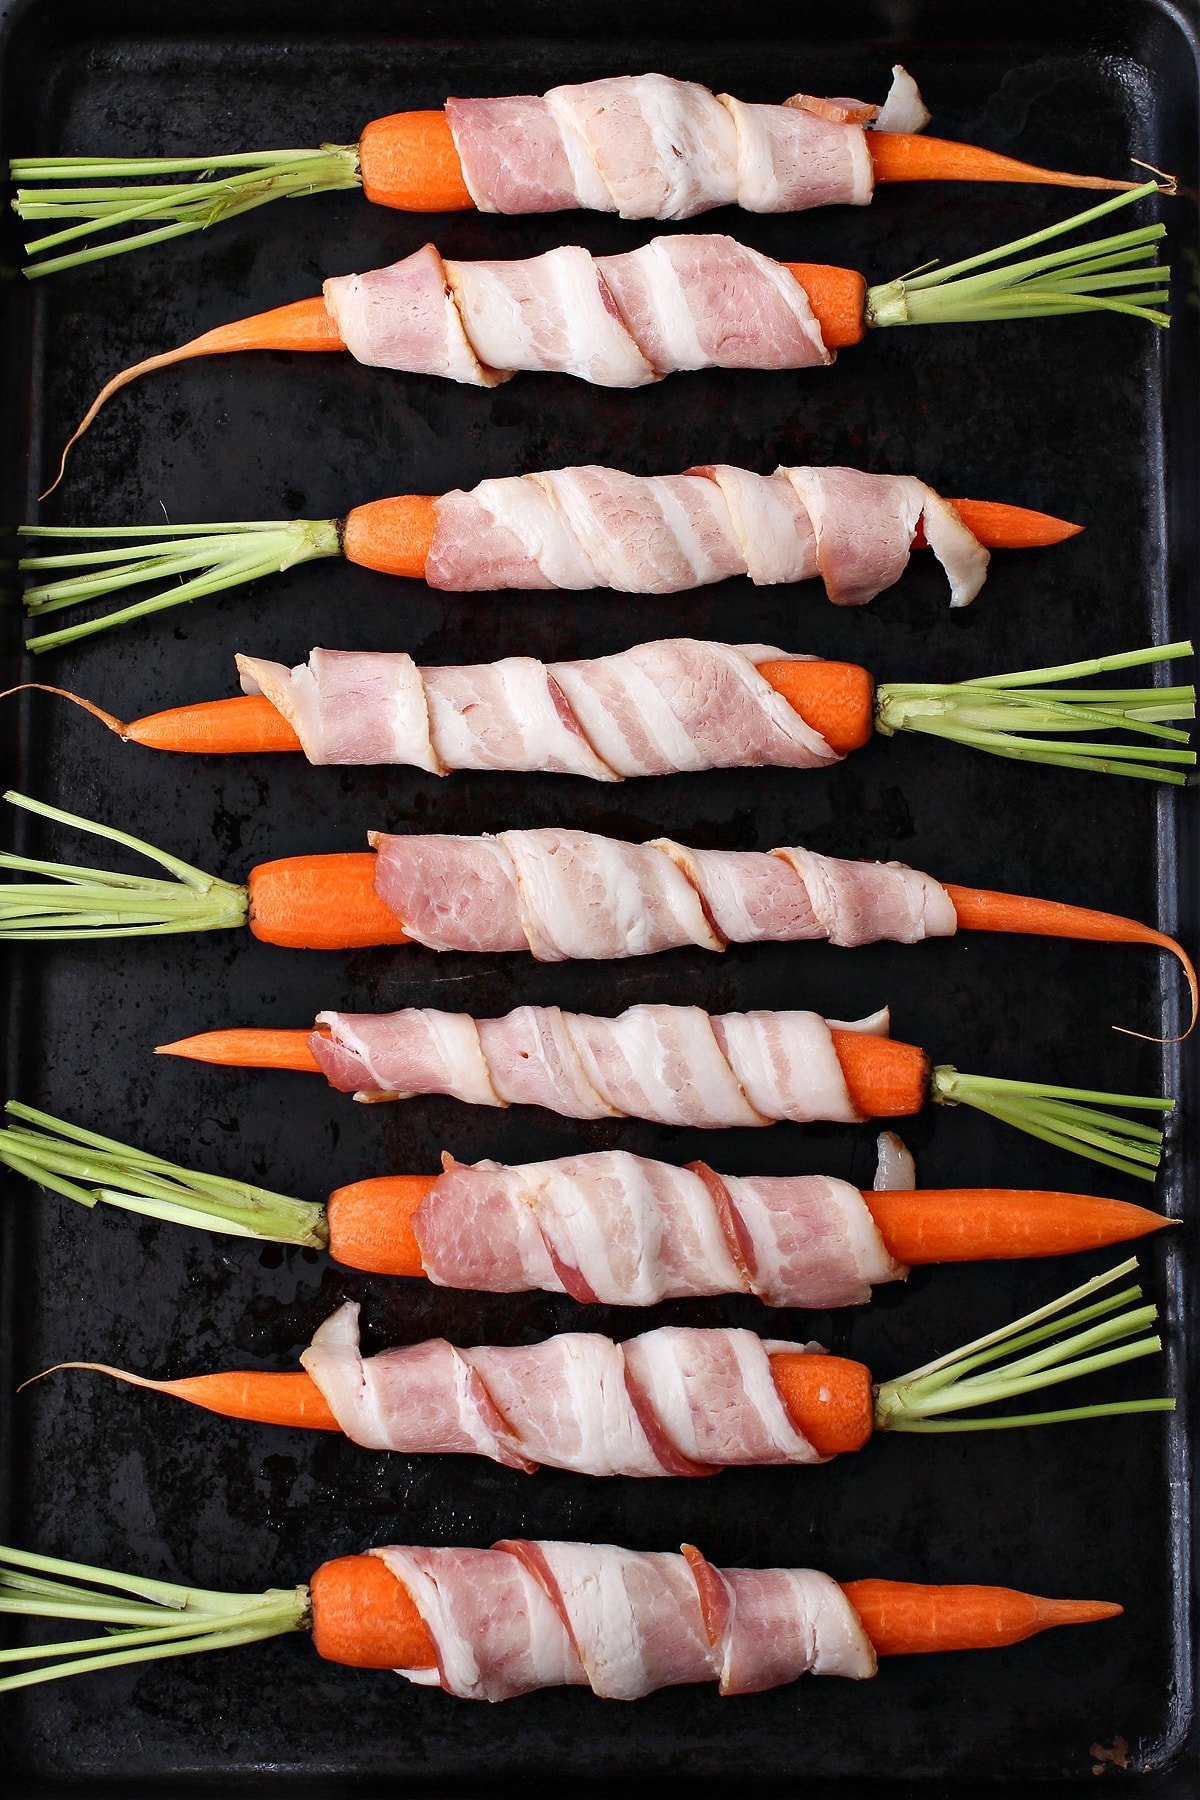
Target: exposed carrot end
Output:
{"points": [[838, 299], [394, 535], [904, 1618], [1001, 527], [836, 699], [942, 1225], [828, 1398], [886, 1079], [41, 687], [248, 722], [370, 1224], [409, 160], [302, 325], [247, 1049], [261, 1396], [364, 1617], [321, 903], [909, 156], [980, 909]]}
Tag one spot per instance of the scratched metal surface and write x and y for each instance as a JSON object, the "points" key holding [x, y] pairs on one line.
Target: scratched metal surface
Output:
{"points": [[1092, 419]]}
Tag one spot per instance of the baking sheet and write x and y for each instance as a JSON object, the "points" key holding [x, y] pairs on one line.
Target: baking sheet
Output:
{"points": [[1092, 419]]}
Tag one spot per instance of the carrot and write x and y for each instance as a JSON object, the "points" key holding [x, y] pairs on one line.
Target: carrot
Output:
{"points": [[246, 723], [943, 1225], [910, 156], [1002, 527], [905, 1618], [321, 903], [370, 1224], [886, 1079], [838, 298], [394, 535], [261, 1396], [409, 160], [835, 698], [980, 909], [364, 1617], [829, 1399], [248, 1049]]}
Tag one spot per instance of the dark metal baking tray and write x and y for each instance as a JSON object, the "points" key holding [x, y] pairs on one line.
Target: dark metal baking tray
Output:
{"points": [[1093, 419]]}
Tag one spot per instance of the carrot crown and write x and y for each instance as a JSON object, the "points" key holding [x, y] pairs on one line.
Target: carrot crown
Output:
{"points": [[201, 559], [1060, 1342], [1002, 284], [81, 1165], [1067, 1117], [143, 1620], [1030, 716], [75, 902], [137, 213]]}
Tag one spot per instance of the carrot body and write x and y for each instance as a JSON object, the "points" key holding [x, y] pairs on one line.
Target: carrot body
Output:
{"points": [[837, 699], [246, 723], [886, 1079], [370, 1224], [392, 535], [838, 299], [409, 160], [364, 1617], [321, 903], [261, 1395], [248, 1049], [941, 1225], [905, 1618], [1002, 527], [911, 156]]}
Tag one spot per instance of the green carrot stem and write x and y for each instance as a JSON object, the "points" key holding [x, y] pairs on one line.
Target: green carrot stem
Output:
{"points": [[79, 902], [1081, 279], [114, 215], [1011, 715], [952, 1384], [87, 1168], [1069, 1118]]}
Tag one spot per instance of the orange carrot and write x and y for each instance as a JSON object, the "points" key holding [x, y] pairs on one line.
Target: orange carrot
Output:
{"points": [[321, 903], [409, 160], [828, 1398], [248, 1049], [905, 156], [1002, 527], [364, 1616], [392, 535], [942, 1225], [837, 699], [979, 909], [886, 1079], [259, 1395], [838, 299], [247, 723], [904, 1618], [370, 1224]]}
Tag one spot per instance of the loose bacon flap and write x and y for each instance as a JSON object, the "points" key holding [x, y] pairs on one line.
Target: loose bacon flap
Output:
{"points": [[527, 1615]]}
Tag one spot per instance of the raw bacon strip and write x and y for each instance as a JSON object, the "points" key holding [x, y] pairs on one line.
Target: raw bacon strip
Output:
{"points": [[650, 147], [577, 895], [591, 526], [675, 1065], [696, 301], [535, 1613], [629, 1231], [671, 1402], [662, 707]]}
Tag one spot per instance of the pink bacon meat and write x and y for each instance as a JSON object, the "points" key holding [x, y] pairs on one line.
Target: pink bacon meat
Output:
{"points": [[590, 527], [650, 147], [657, 709], [626, 1230], [671, 1402], [527, 1615], [571, 895], [674, 1065], [687, 302]]}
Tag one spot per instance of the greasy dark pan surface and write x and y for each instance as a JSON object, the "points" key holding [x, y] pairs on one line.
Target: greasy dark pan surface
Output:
{"points": [[1093, 420]]}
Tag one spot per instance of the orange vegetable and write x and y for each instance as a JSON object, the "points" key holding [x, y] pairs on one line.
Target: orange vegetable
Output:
{"points": [[941, 1225], [363, 1616], [408, 160], [838, 299], [392, 535], [321, 903], [1002, 527], [370, 1224], [905, 1618], [911, 156], [248, 1049], [837, 699]]}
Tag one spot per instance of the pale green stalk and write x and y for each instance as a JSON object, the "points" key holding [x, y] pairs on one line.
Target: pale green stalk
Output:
{"points": [[952, 1383], [1069, 1118]]}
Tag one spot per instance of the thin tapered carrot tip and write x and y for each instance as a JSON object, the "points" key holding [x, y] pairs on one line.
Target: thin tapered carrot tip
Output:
{"points": [[912, 156], [999, 526], [247, 1049], [302, 325], [261, 1396], [904, 1618], [944, 1225], [245, 723]]}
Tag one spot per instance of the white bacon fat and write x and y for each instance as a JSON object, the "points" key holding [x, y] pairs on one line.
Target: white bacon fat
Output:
{"points": [[573, 895], [671, 1402], [592, 527], [533, 1614], [630, 1231], [650, 147], [659, 708], [675, 1065]]}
